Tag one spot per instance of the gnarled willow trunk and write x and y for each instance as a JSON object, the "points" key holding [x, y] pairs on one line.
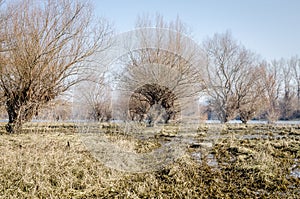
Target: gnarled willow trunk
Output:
{"points": [[19, 113]]}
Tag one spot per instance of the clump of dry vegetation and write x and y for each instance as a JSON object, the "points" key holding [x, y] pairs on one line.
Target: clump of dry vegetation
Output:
{"points": [[259, 167], [54, 163]]}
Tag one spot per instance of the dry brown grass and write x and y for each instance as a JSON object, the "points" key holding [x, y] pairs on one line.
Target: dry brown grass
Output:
{"points": [[50, 161], [43, 166]]}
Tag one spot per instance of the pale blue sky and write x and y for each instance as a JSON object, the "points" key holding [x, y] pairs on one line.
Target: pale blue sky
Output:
{"points": [[270, 28]]}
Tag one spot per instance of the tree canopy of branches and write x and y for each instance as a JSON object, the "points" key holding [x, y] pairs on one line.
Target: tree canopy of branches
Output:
{"points": [[44, 46], [94, 98], [232, 78], [283, 89], [164, 70]]}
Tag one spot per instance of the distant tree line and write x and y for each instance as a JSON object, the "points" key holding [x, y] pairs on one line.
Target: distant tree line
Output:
{"points": [[240, 85], [46, 47]]}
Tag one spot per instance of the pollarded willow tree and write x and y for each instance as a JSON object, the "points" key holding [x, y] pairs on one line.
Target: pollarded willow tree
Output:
{"points": [[46, 45], [94, 98], [162, 71], [232, 79]]}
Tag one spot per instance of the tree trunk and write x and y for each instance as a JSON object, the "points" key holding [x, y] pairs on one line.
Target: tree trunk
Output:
{"points": [[18, 113], [13, 126], [245, 117], [14, 120]]}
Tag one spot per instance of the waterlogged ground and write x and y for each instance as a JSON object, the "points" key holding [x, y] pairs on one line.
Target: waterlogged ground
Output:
{"points": [[219, 161]]}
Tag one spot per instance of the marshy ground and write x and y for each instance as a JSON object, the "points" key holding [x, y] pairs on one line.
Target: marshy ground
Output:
{"points": [[220, 161]]}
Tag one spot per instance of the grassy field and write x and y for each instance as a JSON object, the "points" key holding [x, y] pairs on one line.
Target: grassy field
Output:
{"points": [[220, 161]]}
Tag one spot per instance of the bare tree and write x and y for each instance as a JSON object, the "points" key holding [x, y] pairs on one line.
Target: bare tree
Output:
{"points": [[230, 70], [95, 97], [273, 89], [294, 63], [47, 43], [57, 109], [250, 91], [163, 72], [287, 100]]}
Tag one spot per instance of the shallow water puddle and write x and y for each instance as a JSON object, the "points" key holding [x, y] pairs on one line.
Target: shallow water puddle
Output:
{"points": [[295, 173], [197, 156], [295, 169], [260, 136], [210, 158]]}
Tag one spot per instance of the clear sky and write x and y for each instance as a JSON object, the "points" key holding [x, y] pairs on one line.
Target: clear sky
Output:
{"points": [[270, 28]]}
